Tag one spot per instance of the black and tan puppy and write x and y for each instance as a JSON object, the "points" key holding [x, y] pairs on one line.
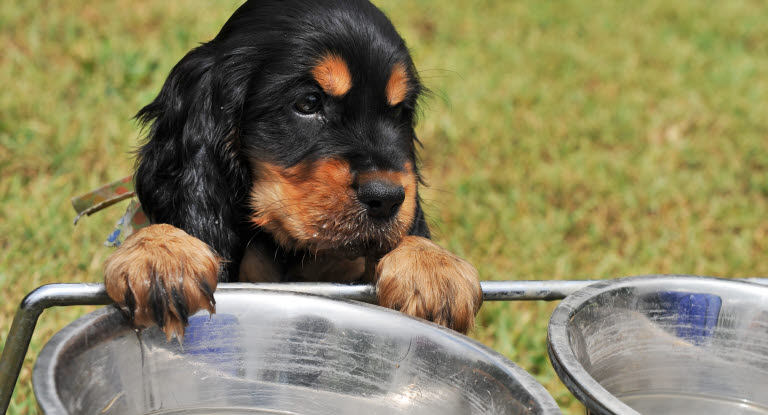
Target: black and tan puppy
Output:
{"points": [[284, 150]]}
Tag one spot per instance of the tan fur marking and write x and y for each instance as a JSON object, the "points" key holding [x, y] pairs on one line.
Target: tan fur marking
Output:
{"points": [[332, 74], [179, 262], [288, 202], [397, 86], [313, 206], [325, 269], [408, 208], [258, 266], [424, 280]]}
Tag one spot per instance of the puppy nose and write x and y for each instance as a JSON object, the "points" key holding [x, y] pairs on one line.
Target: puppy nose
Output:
{"points": [[381, 198]]}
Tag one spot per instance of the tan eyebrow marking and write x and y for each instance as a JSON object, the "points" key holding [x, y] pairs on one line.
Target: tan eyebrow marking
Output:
{"points": [[397, 86], [332, 73]]}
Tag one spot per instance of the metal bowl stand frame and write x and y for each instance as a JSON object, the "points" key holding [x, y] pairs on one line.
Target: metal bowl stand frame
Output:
{"points": [[53, 295]]}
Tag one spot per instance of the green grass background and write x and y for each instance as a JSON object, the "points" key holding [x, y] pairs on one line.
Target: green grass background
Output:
{"points": [[565, 140]]}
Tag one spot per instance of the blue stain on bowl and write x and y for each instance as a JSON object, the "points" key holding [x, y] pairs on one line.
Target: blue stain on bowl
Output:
{"points": [[212, 340], [696, 314]]}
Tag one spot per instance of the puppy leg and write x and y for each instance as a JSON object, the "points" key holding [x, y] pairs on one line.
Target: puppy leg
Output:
{"points": [[424, 280], [161, 275]]}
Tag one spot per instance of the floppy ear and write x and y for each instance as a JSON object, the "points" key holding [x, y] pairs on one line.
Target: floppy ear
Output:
{"points": [[189, 171]]}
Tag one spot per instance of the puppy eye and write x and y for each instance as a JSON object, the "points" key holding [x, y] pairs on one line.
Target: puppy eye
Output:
{"points": [[308, 103]]}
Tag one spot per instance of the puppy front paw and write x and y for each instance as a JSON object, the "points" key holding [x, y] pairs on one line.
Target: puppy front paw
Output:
{"points": [[424, 280], [161, 275]]}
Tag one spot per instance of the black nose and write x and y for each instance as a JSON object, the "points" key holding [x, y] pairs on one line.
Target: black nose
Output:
{"points": [[381, 198]]}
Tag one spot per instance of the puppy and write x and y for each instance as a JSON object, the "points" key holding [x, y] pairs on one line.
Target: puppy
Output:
{"points": [[284, 150]]}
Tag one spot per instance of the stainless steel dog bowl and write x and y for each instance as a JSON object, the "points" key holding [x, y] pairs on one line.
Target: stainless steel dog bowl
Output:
{"points": [[280, 353], [664, 345]]}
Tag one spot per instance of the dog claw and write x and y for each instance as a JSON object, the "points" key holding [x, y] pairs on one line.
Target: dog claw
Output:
{"points": [[161, 275], [424, 280]]}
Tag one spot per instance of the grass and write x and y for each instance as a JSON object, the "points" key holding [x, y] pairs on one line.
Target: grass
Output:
{"points": [[566, 140]]}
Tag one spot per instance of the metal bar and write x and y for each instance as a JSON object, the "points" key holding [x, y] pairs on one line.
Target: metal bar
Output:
{"points": [[531, 290], [361, 292], [52, 295], [17, 342], [492, 290]]}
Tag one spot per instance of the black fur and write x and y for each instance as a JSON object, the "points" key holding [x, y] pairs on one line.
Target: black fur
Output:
{"points": [[231, 101]]}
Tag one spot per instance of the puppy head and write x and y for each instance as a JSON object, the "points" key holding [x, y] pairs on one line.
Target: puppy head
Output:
{"points": [[309, 108], [327, 127]]}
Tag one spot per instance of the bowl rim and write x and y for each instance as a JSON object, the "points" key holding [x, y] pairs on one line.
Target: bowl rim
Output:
{"points": [[568, 368], [43, 375]]}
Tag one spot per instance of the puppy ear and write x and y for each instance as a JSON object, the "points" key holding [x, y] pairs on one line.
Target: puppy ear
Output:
{"points": [[189, 172], [197, 106]]}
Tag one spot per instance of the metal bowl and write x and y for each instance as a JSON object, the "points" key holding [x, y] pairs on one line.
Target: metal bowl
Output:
{"points": [[664, 345], [280, 353]]}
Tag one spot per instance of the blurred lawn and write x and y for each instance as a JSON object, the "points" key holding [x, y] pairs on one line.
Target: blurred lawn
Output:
{"points": [[566, 140]]}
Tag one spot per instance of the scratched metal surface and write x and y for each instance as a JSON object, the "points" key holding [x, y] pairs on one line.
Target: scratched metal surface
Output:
{"points": [[664, 345], [284, 353]]}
